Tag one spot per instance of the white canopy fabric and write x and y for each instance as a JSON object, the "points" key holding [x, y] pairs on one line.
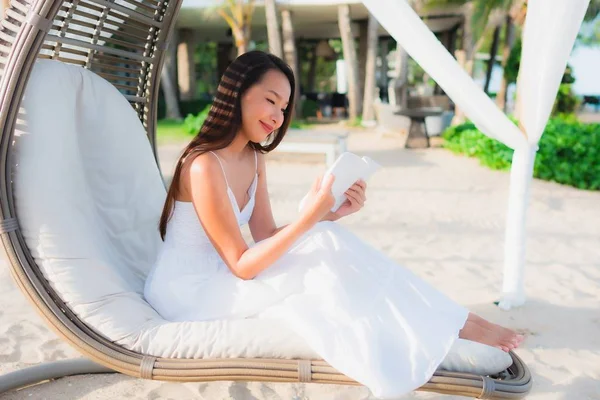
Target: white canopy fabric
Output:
{"points": [[551, 27]]}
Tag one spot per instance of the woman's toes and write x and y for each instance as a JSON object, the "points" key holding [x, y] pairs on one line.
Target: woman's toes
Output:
{"points": [[508, 345], [520, 338], [517, 340]]}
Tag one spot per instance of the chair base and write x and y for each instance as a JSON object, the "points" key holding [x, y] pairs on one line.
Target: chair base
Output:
{"points": [[49, 371], [513, 383]]}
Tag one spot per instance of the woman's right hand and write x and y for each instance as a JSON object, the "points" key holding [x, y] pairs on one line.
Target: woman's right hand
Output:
{"points": [[319, 199]]}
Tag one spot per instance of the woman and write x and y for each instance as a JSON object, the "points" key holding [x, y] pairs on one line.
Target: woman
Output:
{"points": [[368, 317]]}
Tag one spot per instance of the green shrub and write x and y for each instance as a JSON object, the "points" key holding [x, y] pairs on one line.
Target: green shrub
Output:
{"points": [[569, 151], [193, 123], [300, 124], [354, 123], [566, 101], [192, 106], [309, 108], [168, 130], [185, 106], [511, 71]]}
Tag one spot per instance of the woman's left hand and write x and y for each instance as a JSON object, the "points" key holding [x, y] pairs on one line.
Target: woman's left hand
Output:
{"points": [[355, 200]]}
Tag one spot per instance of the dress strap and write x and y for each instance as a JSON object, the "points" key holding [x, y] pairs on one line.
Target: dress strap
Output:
{"points": [[221, 164]]}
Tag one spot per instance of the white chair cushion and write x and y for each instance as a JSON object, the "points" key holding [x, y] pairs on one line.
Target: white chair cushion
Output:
{"points": [[89, 196], [475, 358]]}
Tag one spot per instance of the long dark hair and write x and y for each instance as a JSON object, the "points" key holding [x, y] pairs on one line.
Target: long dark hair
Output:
{"points": [[225, 117]]}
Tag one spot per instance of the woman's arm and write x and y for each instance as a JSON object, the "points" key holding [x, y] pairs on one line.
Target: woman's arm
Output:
{"points": [[208, 189], [329, 217], [262, 223]]}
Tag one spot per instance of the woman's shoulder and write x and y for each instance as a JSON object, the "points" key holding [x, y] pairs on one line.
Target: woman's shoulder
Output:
{"points": [[202, 163], [200, 169]]}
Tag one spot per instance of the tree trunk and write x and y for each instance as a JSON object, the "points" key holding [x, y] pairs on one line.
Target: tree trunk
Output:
{"points": [[384, 52], [492, 60], [368, 114], [170, 94], [223, 58], [241, 43], [509, 41], [459, 115], [468, 44], [186, 67], [291, 55], [239, 18], [465, 56], [397, 87], [363, 39], [273, 28], [171, 62], [350, 60], [312, 70], [168, 80]]}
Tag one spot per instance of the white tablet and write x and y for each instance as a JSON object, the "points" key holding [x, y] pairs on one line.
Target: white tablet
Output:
{"points": [[347, 170]]}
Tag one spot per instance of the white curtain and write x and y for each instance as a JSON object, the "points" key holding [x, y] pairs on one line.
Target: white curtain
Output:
{"points": [[550, 30]]}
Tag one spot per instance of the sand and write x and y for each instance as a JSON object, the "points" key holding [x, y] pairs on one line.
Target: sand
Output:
{"points": [[440, 215]]}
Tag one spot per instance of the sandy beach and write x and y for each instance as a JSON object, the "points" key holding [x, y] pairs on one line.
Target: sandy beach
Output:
{"points": [[438, 214]]}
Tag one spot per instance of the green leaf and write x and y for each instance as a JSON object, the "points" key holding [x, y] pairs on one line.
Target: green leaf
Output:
{"points": [[568, 151]]}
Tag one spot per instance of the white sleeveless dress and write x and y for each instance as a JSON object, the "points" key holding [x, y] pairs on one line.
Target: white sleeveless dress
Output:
{"points": [[368, 317]]}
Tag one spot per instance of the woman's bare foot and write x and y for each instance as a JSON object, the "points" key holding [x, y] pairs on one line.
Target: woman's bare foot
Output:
{"points": [[479, 330], [477, 333], [507, 334]]}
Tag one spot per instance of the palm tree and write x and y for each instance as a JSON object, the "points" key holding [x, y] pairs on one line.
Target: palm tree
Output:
{"points": [[368, 112], [593, 11], [168, 81], [515, 16], [492, 59], [170, 92], [349, 49], [397, 86], [593, 38], [484, 14], [238, 16], [273, 28], [480, 13], [290, 54]]}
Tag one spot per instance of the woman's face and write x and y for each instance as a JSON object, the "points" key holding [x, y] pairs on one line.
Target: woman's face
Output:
{"points": [[264, 105]]}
